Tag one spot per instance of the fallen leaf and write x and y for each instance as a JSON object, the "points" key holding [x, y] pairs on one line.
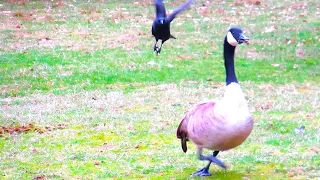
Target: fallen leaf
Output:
{"points": [[181, 57], [220, 11], [40, 177], [299, 52], [298, 7], [257, 2], [204, 11], [290, 174], [59, 4], [314, 149], [303, 14]]}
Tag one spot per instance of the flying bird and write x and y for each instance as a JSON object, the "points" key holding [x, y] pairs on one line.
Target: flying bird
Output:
{"points": [[161, 23], [219, 125]]}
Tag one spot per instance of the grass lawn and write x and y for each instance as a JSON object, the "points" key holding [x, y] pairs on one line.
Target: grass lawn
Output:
{"points": [[83, 96]]}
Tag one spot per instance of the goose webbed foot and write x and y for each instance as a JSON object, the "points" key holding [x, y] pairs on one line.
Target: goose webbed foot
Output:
{"points": [[203, 172]]}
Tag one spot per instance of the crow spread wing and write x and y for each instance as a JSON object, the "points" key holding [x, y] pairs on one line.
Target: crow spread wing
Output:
{"points": [[160, 9], [178, 10]]}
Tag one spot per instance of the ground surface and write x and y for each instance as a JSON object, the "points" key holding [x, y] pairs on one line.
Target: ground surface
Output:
{"points": [[82, 95]]}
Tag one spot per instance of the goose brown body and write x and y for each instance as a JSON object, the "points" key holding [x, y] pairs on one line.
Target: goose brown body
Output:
{"points": [[217, 125]]}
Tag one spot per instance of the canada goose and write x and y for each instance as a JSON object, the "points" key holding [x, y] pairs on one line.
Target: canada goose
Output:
{"points": [[161, 23], [219, 125]]}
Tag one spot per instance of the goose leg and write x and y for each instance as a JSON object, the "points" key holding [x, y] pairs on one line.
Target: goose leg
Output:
{"points": [[215, 153], [205, 171]]}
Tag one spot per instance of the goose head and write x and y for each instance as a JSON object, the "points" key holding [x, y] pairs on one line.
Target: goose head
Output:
{"points": [[236, 36]]}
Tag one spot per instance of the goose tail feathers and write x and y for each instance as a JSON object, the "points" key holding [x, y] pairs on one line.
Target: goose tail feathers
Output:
{"points": [[182, 133]]}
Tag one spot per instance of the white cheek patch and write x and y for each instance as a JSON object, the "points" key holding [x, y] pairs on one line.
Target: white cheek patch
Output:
{"points": [[231, 40]]}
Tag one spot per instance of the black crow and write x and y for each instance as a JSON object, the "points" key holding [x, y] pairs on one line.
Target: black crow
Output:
{"points": [[161, 24]]}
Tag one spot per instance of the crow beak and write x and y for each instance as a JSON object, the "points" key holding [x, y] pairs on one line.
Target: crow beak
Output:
{"points": [[243, 39]]}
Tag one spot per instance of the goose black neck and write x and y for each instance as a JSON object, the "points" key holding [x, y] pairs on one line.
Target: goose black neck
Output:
{"points": [[228, 54]]}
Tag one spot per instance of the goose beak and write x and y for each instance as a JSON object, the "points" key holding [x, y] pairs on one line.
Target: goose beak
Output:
{"points": [[243, 39]]}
